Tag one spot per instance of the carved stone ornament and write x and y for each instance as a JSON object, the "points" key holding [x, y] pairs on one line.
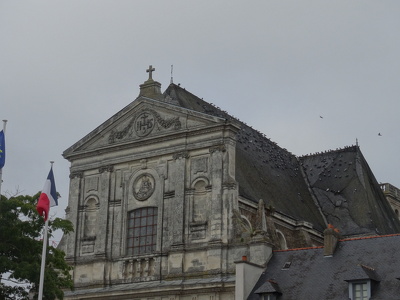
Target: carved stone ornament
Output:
{"points": [[183, 154], [108, 168], [218, 148], [78, 174], [143, 187], [143, 124]]}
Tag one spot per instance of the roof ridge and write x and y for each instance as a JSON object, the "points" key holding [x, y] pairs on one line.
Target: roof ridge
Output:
{"points": [[296, 249], [369, 237], [341, 240], [337, 150]]}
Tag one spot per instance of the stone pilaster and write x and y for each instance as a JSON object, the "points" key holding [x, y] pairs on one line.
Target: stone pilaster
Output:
{"points": [[104, 195], [72, 214], [177, 202], [216, 158]]}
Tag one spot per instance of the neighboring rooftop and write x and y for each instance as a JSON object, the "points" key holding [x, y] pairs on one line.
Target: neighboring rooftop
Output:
{"points": [[348, 193], [312, 275]]}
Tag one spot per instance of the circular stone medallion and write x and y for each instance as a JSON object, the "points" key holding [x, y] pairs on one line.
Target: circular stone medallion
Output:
{"points": [[144, 124], [143, 187]]}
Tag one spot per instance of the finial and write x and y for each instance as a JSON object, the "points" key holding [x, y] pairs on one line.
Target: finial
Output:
{"points": [[4, 125], [357, 142], [52, 162], [150, 71], [172, 69]]}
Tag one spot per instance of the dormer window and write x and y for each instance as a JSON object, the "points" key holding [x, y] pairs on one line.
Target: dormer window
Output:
{"points": [[362, 282], [269, 297], [361, 290], [269, 290]]}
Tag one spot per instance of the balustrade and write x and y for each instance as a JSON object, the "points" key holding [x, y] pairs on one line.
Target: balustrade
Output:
{"points": [[139, 269]]}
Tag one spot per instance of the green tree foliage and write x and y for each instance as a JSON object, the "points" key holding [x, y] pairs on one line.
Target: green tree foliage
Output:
{"points": [[21, 250]]}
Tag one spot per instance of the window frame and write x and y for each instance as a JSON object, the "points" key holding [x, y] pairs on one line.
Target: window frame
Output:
{"points": [[141, 237], [352, 289]]}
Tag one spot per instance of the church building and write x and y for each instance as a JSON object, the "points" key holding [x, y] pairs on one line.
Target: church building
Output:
{"points": [[171, 192]]}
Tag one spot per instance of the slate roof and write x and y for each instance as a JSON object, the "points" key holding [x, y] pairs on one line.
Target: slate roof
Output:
{"points": [[263, 169], [348, 193], [354, 202], [313, 276]]}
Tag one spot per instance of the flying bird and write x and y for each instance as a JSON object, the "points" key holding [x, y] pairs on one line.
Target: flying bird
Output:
{"points": [[379, 134], [321, 117]]}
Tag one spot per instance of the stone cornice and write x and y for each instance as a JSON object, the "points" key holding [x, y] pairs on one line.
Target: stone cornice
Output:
{"points": [[78, 174], [146, 141], [218, 148], [108, 168], [181, 154]]}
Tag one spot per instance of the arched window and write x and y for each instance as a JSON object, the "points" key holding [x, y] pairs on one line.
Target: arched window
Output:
{"points": [[142, 231], [199, 201], [90, 225]]}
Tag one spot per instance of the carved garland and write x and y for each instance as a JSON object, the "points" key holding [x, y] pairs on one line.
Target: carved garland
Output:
{"points": [[165, 123], [121, 133]]}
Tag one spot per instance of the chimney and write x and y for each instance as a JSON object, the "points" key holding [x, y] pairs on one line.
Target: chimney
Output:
{"points": [[331, 238], [247, 275]]}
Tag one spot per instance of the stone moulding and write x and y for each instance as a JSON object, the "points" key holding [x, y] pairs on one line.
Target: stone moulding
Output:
{"points": [[182, 154], [229, 185], [78, 174], [108, 168], [169, 194], [218, 148], [129, 144], [198, 230], [116, 202]]}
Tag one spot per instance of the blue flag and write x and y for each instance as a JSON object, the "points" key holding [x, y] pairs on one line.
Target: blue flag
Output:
{"points": [[2, 150]]}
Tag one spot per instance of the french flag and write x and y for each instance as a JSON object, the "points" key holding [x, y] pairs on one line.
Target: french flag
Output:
{"points": [[48, 197]]}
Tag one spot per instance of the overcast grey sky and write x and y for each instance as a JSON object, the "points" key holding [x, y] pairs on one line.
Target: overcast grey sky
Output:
{"points": [[67, 66]]}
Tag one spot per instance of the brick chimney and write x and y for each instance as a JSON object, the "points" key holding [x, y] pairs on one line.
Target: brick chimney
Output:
{"points": [[331, 238]]}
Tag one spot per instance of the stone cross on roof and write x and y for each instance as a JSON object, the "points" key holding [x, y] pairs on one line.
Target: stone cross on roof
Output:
{"points": [[150, 71]]}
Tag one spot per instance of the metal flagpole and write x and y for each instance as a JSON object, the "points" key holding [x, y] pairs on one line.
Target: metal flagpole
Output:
{"points": [[42, 267], [1, 170], [44, 251]]}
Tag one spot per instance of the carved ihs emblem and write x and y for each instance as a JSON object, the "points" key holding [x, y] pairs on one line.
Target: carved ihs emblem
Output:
{"points": [[144, 124]]}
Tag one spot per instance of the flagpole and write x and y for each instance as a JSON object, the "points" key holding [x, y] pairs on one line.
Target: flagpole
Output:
{"points": [[1, 170], [42, 267], [44, 251]]}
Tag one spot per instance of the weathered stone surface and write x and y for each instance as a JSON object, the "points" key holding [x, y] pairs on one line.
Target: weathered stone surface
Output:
{"points": [[165, 197]]}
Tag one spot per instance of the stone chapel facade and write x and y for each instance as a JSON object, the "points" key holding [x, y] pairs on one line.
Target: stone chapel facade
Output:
{"points": [[167, 194]]}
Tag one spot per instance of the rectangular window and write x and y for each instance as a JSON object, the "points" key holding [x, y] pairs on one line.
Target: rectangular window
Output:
{"points": [[360, 291], [142, 231]]}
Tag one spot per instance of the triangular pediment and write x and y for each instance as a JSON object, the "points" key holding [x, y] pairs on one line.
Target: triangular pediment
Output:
{"points": [[144, 118]]}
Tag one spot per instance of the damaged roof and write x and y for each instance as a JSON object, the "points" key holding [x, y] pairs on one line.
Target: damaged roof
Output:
{"points": [[336, 187], [311, 275]]}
